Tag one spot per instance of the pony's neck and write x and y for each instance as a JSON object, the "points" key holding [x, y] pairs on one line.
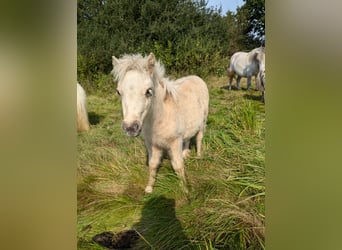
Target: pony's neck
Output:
{"points": [[160, 96]]}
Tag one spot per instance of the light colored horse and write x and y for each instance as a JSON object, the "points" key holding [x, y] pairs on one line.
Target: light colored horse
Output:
{"points": [[82, 115], [246, 64], [167, 113]]}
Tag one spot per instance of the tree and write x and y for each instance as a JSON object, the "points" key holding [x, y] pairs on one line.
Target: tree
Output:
{"points": [[251, 16], [187, 36]]}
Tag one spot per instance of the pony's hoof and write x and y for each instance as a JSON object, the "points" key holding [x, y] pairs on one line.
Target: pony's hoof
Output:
{"points": [[148, 189]]}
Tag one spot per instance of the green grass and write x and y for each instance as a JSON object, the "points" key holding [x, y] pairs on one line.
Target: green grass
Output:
{"points": [[225, 208]]}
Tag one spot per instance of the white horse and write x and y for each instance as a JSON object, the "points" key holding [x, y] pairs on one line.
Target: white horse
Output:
{"points": [[167, 113], [246, 64], [82, 115]]}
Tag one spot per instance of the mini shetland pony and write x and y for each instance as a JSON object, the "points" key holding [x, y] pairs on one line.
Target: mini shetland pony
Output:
{"points": [[246, 65], [167, 113], [82, 115]]}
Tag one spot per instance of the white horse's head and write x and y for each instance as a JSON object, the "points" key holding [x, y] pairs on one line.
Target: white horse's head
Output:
{"points": [[136, 89]]}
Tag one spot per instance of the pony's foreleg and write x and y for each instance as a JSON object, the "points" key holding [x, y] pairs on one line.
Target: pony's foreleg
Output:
{"points": [[258, 82], [177, 162], [249, 80], [154, 160]]}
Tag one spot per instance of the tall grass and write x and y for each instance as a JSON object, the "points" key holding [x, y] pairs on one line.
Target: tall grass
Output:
{"points": [[225, 208]]}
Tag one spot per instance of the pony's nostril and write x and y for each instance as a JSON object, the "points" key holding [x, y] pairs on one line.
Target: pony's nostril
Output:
{"points": [[131, 129], [124, 126], [135, 126]]}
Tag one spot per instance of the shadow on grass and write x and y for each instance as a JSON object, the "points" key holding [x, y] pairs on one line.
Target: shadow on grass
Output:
{"points": [[226, 87], [158, 228], [95, 118], [253, 97]]}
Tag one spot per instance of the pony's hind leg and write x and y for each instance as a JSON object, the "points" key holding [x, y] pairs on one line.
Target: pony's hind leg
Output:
{"points": [[238, 82], [199, 137], [154, 160], [230, 82], [177, 162], [231, 77], [186, 148]]}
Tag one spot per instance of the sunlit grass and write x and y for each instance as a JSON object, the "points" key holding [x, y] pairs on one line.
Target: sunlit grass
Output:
{"points": [[225, 208]]}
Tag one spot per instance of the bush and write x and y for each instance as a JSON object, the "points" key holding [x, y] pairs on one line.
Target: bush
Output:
{"points": [[185, 36]]}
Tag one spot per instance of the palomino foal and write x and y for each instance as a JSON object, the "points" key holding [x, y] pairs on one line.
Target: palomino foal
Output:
{"points": [[166, 113]]}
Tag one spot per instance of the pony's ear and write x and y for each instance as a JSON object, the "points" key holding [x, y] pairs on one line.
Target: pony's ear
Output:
{"points": [[115, 61], [151, 62]]}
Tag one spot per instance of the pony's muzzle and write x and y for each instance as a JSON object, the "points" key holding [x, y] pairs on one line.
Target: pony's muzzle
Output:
{"points": [[131, 129]]}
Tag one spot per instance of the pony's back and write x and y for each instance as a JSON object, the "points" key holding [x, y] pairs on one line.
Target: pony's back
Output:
{"points": [[192, 104]]}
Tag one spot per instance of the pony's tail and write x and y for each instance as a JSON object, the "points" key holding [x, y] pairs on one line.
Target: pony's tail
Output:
{"points": [[82, 114], [230, 71]]}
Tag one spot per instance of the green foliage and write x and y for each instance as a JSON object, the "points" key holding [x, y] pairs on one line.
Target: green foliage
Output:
{"points": [[251, 17], [186, 36], [245, 117], [225, 209]]}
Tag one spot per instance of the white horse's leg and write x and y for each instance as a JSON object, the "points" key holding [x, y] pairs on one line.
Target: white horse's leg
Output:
{"points": [[257, 82], [238, 82], [154, 160], [186, 148], [177, 162], [199, 137], [249, 78]]}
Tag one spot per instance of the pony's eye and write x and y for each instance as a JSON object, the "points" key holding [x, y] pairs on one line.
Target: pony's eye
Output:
{"points": [[118, 93], [149, 92]]}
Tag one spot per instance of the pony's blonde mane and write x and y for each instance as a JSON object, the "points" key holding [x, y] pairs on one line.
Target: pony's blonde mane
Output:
{"points": [[140, 64]]}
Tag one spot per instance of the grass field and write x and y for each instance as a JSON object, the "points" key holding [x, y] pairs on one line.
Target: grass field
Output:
{"points": [[225, 208]]}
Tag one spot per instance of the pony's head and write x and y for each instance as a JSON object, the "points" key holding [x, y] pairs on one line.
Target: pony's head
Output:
{"points": [[138, 78], [136, 89]]}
